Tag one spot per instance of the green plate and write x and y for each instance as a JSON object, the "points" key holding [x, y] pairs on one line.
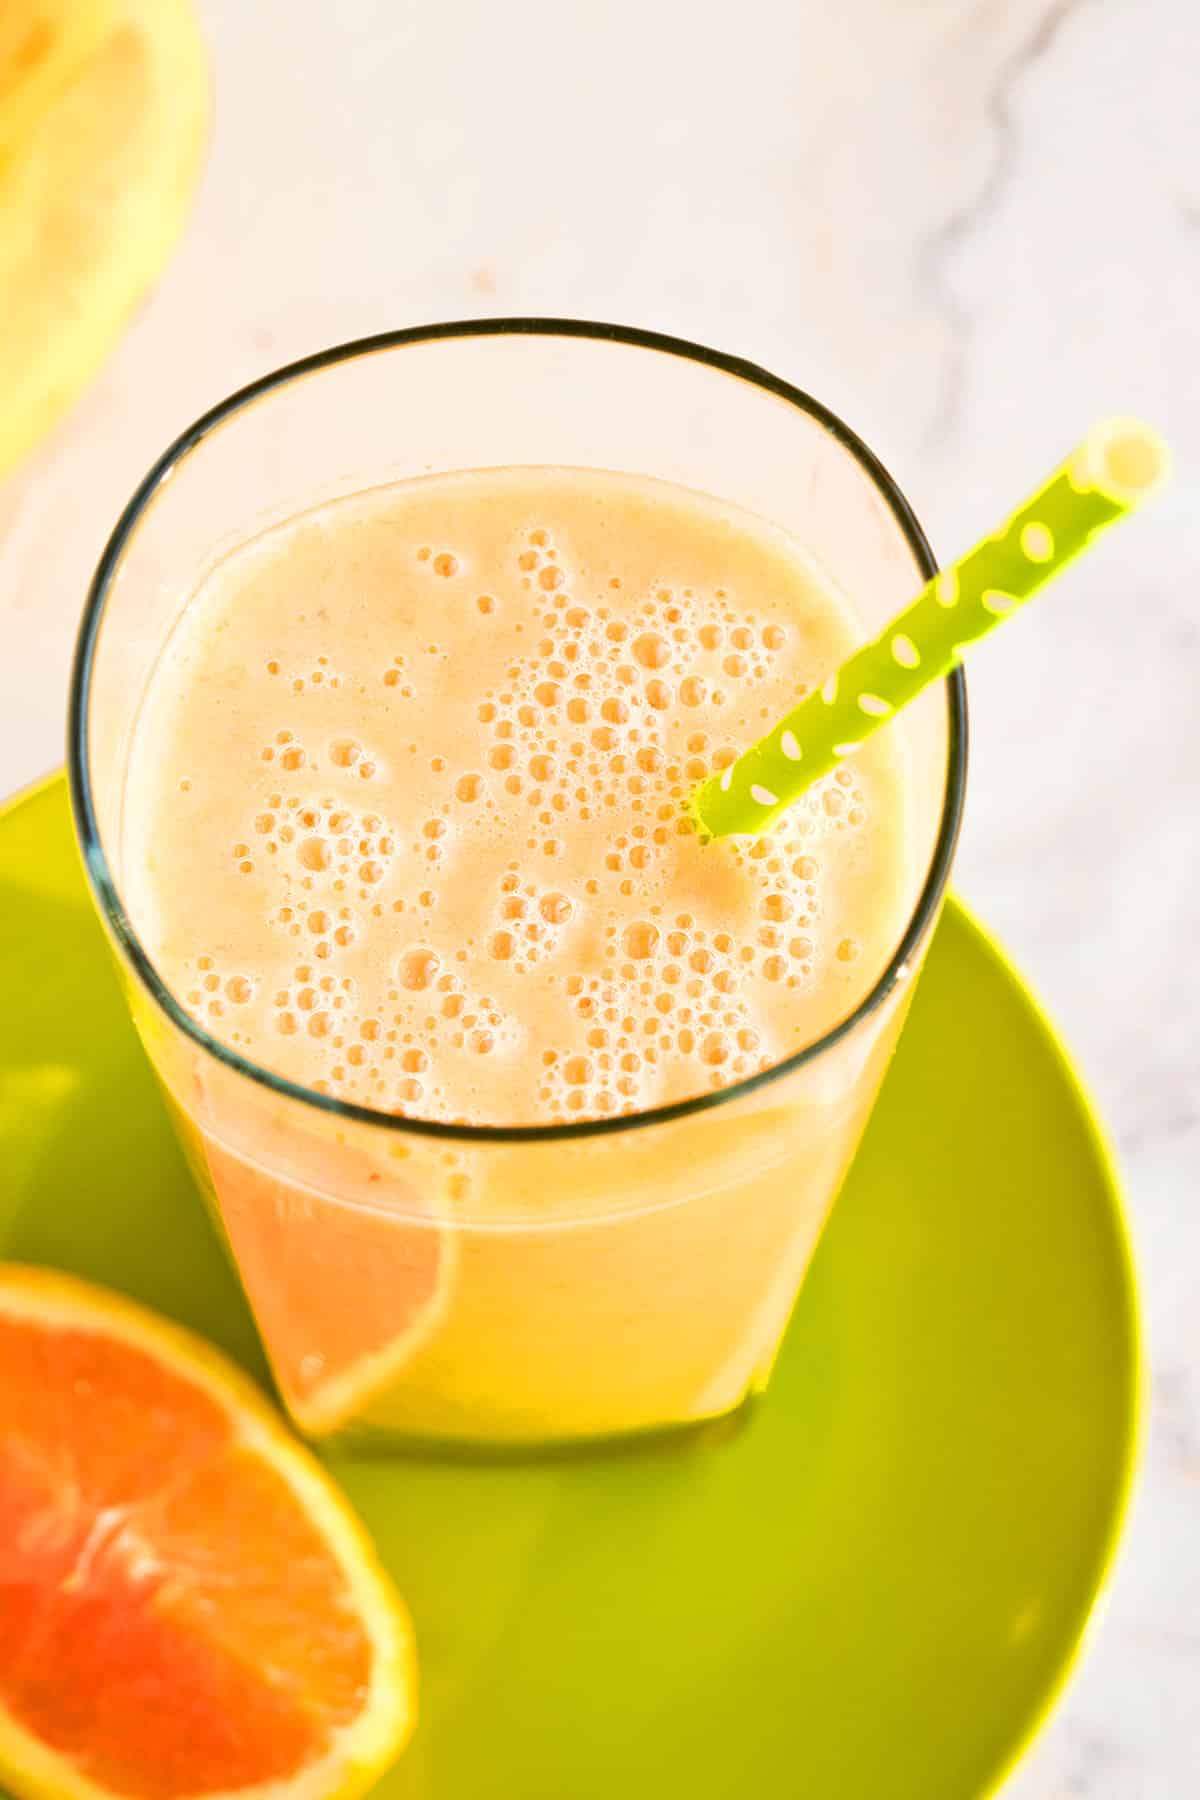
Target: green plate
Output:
{"points": [[873, 1589]]}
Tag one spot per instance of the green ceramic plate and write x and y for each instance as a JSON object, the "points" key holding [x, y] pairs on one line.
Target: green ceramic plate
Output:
{"points": [[871, 1591]]}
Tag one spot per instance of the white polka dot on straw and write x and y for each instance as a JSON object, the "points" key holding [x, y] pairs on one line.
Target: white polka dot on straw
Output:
{"points": [[829, 691], [905, 651], [995, 600], [876, 707], [763, 795], [1037, 541], [789, 746]]}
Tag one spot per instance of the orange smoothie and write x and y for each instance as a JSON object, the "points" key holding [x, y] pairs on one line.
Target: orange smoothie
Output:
{"points": [[404, 824]]}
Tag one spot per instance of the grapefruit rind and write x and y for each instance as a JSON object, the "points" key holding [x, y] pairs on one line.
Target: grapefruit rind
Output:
{"points": [[361, 1751]]}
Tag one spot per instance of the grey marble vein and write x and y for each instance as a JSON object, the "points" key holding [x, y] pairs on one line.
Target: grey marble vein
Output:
{"points": [[937, 253]]}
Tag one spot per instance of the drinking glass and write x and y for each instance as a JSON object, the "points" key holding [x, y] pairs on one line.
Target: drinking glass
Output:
{"points": [[417, 1282]]}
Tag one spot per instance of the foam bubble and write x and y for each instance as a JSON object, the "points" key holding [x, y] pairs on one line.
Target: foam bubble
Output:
{"points": [[418, 967], [652, 650]]}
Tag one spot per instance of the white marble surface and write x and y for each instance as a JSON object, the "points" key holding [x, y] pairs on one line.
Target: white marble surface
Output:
{"points": [[969, 228]]}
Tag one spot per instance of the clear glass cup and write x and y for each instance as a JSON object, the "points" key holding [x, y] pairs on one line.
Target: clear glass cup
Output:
{"points": [[417, 1282]]}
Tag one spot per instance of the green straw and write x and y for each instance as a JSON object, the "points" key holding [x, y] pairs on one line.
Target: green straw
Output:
{"points": [[1112, 471]]}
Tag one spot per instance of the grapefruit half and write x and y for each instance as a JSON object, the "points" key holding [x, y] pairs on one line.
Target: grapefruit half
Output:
{"points": [[190, 1607]]}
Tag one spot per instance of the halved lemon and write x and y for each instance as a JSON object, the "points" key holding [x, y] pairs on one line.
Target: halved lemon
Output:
{"points": [[103, 119]]}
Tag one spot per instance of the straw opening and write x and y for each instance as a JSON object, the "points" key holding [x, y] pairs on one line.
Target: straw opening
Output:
{"points": [[1124, 459]]}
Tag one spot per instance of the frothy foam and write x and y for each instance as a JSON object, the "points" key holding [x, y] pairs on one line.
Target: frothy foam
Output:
{"points": [[408, 819]]}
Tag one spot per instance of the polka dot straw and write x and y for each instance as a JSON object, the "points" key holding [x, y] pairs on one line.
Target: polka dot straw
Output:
{"points": [[1112, 471]]}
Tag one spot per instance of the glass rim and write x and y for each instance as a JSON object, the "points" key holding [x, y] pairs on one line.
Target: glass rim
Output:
{"points": [[83, 807]]}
